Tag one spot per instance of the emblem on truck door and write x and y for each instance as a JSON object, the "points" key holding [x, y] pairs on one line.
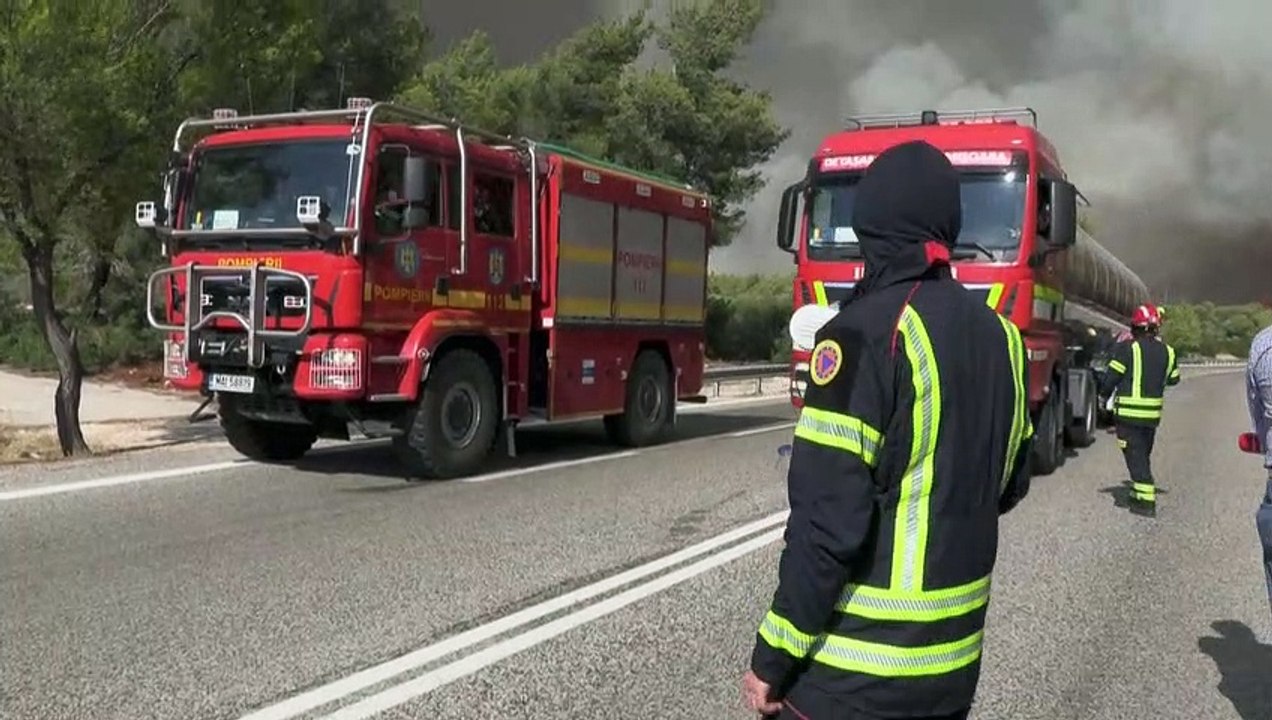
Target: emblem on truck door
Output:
{"points": [[495, 265], [407, 259]]}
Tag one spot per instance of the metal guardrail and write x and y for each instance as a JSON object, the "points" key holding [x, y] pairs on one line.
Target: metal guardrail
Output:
{"points": [[746, 372]]}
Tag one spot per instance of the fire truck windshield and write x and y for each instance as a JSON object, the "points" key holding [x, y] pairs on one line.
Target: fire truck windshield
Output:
{"points": [[993, 209], [256, 186]]}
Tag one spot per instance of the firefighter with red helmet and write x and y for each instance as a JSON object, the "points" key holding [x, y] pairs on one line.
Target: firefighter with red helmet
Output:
{"points": [[1140, 371]]}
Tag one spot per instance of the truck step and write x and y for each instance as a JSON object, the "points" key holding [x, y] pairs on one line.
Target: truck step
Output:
{"points": [[388, 397]]}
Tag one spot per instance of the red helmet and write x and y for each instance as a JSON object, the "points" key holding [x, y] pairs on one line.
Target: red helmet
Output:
{"points": [[1146, 315]]}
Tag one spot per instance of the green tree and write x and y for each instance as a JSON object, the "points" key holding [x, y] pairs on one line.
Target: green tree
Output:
{"points": [[289, 54], [87, 87], [687, 121]]}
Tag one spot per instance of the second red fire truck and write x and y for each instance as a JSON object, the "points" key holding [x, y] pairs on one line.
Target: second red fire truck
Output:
{"points": [[1021, 249], [381, 269]]}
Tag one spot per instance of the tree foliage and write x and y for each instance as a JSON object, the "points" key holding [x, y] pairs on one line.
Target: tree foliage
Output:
{"points": [[683, 118], [94, 90]]}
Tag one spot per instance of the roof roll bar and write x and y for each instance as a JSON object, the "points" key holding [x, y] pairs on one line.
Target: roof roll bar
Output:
{"points": [[363, 114], [933, 117]]}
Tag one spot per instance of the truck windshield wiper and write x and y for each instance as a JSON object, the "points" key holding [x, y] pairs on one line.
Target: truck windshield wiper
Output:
{"points": [[973, 245]]}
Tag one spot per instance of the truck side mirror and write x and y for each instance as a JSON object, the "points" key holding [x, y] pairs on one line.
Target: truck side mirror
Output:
{"points": [[1063, 200], [415, 179], [787, 217]]}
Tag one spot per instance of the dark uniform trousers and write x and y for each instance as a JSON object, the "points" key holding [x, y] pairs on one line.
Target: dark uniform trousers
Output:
{"points": [[1136, 442], [790, 713]]}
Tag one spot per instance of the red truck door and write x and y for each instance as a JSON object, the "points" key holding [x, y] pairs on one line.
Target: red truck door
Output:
{"points": [[402, 265]]}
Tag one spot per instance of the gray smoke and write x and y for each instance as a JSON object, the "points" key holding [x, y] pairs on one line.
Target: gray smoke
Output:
{"points": [[1161, 109]]}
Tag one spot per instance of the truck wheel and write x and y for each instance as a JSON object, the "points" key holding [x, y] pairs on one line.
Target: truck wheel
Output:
{"points": [[647, 410], [1082, 430], [451, 430], [1048, 448], [265, 441]]}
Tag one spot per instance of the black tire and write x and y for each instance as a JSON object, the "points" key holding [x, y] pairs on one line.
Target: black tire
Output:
{"points": [[647, 410], [439, 445], [1082, 431], [1048, 447], [265, 441]]}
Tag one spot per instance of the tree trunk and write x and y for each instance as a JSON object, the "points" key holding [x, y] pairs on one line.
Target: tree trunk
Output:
{"points": [[97, 287], [65, 348]]}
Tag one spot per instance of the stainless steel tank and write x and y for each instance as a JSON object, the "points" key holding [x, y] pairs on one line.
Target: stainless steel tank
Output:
{"points": [[1096, 278]]}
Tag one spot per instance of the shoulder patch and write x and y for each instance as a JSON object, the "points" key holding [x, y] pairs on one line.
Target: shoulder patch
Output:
{"points": [[827, 358]]}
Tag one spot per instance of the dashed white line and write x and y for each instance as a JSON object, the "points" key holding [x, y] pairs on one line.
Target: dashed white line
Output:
{"points": [[433, 679], [416, 659]]}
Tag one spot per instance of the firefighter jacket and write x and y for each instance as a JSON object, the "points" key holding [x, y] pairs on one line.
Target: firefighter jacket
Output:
{"points": [[913, 439], [1140, 371]]}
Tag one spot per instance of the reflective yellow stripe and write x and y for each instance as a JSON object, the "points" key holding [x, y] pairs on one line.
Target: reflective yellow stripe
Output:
{"points": [[839, 431], [1021, 425], [1137, 372], [910, 535], [1172, 370], [922, 606], [779, 633], [893, 661], [1046, 294], [995, 295], [819, 292], [1140, 402], [1117, 365], [1138, 414], [1144, 491]]}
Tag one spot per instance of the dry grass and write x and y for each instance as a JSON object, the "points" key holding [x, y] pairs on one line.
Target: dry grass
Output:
{"points": [[20, 444]]}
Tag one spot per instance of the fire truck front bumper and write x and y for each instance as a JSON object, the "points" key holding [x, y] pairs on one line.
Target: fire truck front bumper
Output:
{"points": [[320, 367]]}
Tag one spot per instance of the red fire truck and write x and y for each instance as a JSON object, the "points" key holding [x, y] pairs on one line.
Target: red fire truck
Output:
{"points": [[381, 270], [1021, 249]]}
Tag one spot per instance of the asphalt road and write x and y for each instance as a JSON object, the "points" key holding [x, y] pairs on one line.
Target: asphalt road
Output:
{"points": [[182, 584]]}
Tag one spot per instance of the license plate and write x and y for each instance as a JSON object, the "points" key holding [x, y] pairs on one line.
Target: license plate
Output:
{"points": [[222, 382]]}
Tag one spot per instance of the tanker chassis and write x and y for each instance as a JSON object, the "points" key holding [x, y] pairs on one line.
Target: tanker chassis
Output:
{"points": [[1021, 248], [381, 270]]}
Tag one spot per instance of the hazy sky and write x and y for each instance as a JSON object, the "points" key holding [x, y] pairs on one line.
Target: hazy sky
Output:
{"points": [[1161, 109]]}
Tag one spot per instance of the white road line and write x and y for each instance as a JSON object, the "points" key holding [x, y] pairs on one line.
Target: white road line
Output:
{"points": [[190, 471], [513, 472], [433, 679], [10, 495], [165, 474], [762, 430], [415, 659], [696, 408]]}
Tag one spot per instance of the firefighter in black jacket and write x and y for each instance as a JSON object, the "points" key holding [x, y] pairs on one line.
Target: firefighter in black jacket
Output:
{"points": [[912, 441], [1140, 371]]}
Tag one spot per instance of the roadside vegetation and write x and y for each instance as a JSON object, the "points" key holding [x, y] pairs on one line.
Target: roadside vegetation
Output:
{"points": [[93, 92]]}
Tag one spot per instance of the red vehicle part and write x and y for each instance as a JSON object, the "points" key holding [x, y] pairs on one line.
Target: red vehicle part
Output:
{"points": [[1021, 249], [437, 284]]}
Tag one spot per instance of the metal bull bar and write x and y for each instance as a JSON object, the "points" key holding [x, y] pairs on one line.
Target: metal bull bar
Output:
{"points": [[253, 322]]}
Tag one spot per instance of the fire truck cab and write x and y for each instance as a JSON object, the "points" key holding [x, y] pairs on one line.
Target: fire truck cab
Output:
{"points": [[379, 270], [1020, 249]]}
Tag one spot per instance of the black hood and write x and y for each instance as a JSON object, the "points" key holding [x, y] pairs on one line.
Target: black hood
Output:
{"points": [[907, 215]]}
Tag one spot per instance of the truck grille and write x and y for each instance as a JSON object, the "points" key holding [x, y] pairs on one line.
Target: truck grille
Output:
{"points": [[284, 297]]}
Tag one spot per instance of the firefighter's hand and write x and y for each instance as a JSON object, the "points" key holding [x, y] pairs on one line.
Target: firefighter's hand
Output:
{"points": [[756, 694]]}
